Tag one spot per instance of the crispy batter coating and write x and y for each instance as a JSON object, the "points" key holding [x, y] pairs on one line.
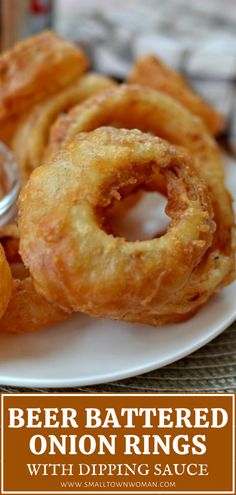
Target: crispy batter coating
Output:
{"points": [[27, 311], [152, 72], [5, 282], [36, 68], [78, 265], [31, 137]]}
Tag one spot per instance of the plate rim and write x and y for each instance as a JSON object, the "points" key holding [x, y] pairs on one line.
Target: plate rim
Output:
{"points": [[112, 377]]}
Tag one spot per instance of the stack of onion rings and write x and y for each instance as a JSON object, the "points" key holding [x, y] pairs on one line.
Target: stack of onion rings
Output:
{"points": [[32, 72], [90, 174]]}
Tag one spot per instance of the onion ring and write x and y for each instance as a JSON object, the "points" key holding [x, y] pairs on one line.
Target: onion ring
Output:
{"points": [[152, 111], [36, 68], [5, 282], [152, 72], [75, 263], [31, 137], [22, 309], [27, 311]]}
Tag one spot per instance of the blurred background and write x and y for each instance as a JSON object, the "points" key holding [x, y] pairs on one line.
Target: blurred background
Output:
{"points": [[198, 37]]}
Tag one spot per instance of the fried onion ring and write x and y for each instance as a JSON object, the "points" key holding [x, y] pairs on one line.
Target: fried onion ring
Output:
{"points": [[75, 263], [36, 68], [152, 111], [32, 135], [152, 72], [5, 282], [31, 138], [27, 311]]}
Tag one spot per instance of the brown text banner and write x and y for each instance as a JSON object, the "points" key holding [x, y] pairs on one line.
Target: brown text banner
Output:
{"points": [[117, 443]]}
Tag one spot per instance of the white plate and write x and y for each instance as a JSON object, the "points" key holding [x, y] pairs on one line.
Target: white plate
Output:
{"points": [[85, 351]]}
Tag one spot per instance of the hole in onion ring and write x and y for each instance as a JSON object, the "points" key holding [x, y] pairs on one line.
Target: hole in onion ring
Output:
{"points": [[139, 216], [19, 271]]}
